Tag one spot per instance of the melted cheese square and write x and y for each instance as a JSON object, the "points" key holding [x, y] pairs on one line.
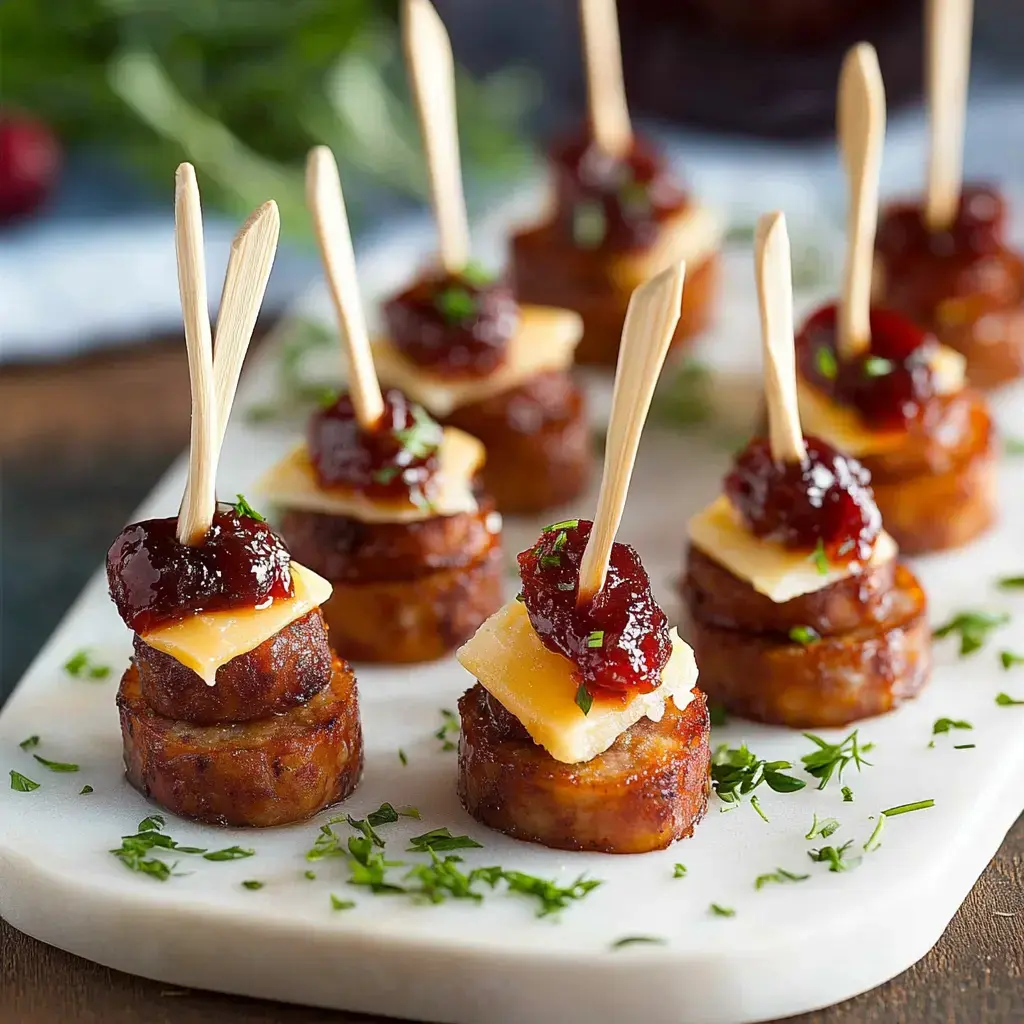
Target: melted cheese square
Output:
{"points": [[293, 483], [771, 569], [537, 686], [207, 640], [545, 339]]}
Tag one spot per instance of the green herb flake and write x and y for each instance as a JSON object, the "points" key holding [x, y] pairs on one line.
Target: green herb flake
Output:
{"points": [[780, 876], [310, 874], [1010, 582], [756, 804], [244, 510], [552, 897], [919, 805], [943, 725], [596, 638], [820, 558], [584, 699], [835, 857], [135, 849], [402, 756], [832, 758], [1009, 659], [456, 304], [847, 795], [56, 766], [639, 940], [29, 742], [22, 783], [81, 666], [441, 839], [85, 790], [826, 363], [565, 524], [804, 635], [964, 746], [719, 911], [875, 839], [252, 884], [823, 828], [423, 437], [230, 853], [449, 727], [972, 627], [735, 772], [1004, 700], [337, 903], [679, 871]]}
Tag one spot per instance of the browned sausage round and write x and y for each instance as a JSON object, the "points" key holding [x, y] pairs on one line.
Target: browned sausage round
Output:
{"points": [[269, 772], [833, 682], [647, 790], [418, 619], [282, 672], [537, 438], [549, 272], [715, 596]]}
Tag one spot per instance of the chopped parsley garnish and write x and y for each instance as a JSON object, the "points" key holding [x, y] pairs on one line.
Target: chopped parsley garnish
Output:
{"points": [[361, 825], [596, 638], [832, 758], [311, 875], [402, 756], [565, 524], [229, 853], [1004, 700], [944, 725], [423, 437], [443, 878], [584, 700], [449, 727], [804, 635], [550, 560], [337, 903], [679, 871], [1010, 582], [367, 866], [252, 884], [972, 627], [560, 541], [639, 940], [736, 771], [1009, 659], [442, 839], [29, 742], [552, 897], [56, 766], [135, 849], [327, 844], [756, 804], [919, 805], [820, 558], [825, 361], [22, 783], [847, 795], [243, 508], [835, 857], [81, 666], [719, 911], [717, 713], [875, 839], [589, 224], [456, 304], [85, 790], [824, 828], [876, 366], [779, 875], [964, 746]]}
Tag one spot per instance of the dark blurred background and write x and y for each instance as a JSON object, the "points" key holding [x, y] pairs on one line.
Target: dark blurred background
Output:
{"points": [[100, 99]]}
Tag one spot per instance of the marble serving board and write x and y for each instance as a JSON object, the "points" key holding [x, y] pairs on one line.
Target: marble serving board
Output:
{"points": [[787, 948]]}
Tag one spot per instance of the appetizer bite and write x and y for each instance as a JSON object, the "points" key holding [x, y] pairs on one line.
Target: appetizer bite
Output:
{"points": [[459, 343], [234, 711], [618, 215], [585, 729], [379, 498], [944, 261], [880, 388], [799, 613]]}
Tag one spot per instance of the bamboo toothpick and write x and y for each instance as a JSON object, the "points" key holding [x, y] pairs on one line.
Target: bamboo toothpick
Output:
{"points": [[245, 283], [775, 298], [199, 503], [606, 90], [651, 320], [428, 53], [861, 126], [948, 45]]}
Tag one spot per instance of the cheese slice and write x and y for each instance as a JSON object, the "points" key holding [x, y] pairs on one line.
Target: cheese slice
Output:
{"points": [[207, 640], [537, 686], [545, 339], [293, 483], [771, 569], [694, 234], [845, 429]]}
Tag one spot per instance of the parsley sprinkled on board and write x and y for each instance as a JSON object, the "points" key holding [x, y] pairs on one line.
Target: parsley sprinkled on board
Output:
{"points": [[85, 790], [252, 884], [820, 558], [1004, 700], [584, 700], [875, 839], [756, 804], [679, 871], [402, 756], [825, 361], [964, 746], [442, 839], [919, 805], [552, 897], [1009, 659], [22, 783], [847, 795], [945, 725], [229, 853], [832, 758], [56, 766], [639, 940], [244, 509], [81, 666], [823, 827], [736, 771], [449, 727], [443, 878], [779, 875], [719, 911], [835, 857], [973, 628], [804, 635], [337, 903], [29, 742], [135, 849], [1010, 582]]}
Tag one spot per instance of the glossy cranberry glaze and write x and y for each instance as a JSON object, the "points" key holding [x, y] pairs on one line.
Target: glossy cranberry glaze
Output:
{"points": [[155, 580], [398, 458], [613, 203], [455, 326], [619, 641], [823, 503], [888, 385]]}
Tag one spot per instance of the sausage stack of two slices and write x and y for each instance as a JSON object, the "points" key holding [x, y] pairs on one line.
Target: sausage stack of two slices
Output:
{"points": [[235, 711]]}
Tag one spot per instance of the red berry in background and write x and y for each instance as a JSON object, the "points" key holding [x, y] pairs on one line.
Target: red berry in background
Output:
{"points": [[29, 164]]}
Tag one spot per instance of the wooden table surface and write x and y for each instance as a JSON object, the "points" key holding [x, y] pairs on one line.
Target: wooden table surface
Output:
{"points": [[131, 409]]}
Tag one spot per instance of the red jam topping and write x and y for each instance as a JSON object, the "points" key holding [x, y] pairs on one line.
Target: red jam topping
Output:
{"points": [[618, 642], [155, 580], [823, 505], [398, 458], [613, 203], [454, 326], [889, 384]]}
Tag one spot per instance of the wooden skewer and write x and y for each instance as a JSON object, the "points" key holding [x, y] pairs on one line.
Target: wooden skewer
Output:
{"points": [[199, 502], [428, 53], [651, 320], [245, 282], [861, 125], [775, 298], [606, 91], [948, 44], [327, 204]]}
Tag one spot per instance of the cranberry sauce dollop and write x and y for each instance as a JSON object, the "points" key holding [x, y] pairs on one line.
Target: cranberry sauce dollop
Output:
{"points": [[612, 203], [155, 580], [398, 458], [618, 642], [454, 325], [889, 384], [823, 505]]}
